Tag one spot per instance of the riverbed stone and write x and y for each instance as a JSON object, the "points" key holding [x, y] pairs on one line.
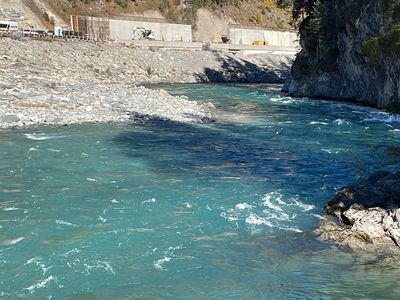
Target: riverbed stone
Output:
{"points": [[9, 118], [86, 82]]}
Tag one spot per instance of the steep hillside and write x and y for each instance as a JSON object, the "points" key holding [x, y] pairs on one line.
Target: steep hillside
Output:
{"points": [[26, 12], [270, 13], [350, 51], [274, 14]]}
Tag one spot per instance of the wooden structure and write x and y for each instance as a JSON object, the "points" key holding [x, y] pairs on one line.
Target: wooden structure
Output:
{"points": [[91, 28]]}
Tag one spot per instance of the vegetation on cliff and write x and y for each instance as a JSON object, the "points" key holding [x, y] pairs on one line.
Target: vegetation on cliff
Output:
{"points": [[319, 25], [350, 50], [383, 45]]}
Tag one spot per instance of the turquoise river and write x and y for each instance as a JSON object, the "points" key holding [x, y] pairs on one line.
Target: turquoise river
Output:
{"points": [[154, 209]]}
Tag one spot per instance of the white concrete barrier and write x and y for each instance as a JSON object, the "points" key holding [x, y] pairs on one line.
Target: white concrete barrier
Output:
{"points": [[246, 36], [122, 30]]}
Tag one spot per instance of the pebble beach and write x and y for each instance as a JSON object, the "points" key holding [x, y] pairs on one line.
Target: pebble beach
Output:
{"points": [[61, 83]]}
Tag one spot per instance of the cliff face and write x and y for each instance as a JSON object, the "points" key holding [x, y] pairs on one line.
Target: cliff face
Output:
{"points": [[350, 51]]}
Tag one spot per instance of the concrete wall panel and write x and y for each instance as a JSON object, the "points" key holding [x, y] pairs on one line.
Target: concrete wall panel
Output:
{"points": [[122, 30], [246, 36]]}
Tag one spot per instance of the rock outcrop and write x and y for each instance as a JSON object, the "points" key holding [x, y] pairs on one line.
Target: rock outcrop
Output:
{"points": [[368, 214], [350, 51]]}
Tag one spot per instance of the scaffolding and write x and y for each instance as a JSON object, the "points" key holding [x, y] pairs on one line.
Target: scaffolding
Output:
{"points": [[91, 28]]}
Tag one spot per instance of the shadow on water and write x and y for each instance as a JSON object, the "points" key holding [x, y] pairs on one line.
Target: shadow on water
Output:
{"points": [[220, 150], [233, 70]]}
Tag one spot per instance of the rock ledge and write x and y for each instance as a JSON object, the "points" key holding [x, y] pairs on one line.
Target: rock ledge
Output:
{"points": [[368, 215]]}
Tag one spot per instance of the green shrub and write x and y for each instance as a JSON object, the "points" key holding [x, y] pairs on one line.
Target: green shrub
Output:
{"points": [[370, 47], [122, 3], [46, 16], [386, 45], [284, 3], [390, 42]]}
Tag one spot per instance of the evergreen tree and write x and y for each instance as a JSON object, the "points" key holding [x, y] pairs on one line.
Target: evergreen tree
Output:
{"points": [[302, 9]]}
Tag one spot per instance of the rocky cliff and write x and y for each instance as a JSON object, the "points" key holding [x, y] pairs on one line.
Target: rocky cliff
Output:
{"points": [[350, 51]]}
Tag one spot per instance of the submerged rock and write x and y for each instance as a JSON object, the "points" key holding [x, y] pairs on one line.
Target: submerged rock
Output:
{"points": [[368, 214]]}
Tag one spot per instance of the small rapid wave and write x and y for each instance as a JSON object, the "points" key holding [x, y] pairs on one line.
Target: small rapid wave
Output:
{"points": [[41, 136], [242, 206], [38, 262], [99, 265], [62, 222], [41, 284], [151, 200], [253, 219], [168, 255], [274, 211], [380, 116], [12, 208], [318, 123], [159, 263], [341, 122], [284, 100], [71, 252], [13, 242], [333, 150]]}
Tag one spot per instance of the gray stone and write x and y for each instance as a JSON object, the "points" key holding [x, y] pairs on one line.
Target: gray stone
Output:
{"points": [[380, 189], [83, 82], [9, 119], [366, 226]]}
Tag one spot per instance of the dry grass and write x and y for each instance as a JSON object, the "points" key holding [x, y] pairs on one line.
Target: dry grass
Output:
{"points": [[64, 8], [248, 12], [252, 13], [37, 11]]}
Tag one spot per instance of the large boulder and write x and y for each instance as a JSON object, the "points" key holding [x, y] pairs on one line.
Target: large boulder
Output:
{"points": [[368, 214], [381, 189]]}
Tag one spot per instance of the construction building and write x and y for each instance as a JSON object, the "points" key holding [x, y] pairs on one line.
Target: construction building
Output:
{"points": [[122, 30]]}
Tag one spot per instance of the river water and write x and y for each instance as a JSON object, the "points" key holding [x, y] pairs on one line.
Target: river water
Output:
{"points": [[161, 210]]}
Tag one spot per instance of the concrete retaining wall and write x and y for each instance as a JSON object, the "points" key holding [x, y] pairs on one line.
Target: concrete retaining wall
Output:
{"points": [[246, 36], [122, 30]]}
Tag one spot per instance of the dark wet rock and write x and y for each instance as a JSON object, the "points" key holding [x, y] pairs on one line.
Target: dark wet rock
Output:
{"points": [[370, 214], [381, 189]]}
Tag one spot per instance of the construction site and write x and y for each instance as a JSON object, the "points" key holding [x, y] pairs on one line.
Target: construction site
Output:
{"points": [[142, 31]]}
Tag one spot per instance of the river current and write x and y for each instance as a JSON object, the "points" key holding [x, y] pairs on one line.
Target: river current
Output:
{"points": [[160, 210]]}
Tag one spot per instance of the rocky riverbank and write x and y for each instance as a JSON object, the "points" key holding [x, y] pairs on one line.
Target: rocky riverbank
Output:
{"points": [[368, 215], [74, 82]]}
